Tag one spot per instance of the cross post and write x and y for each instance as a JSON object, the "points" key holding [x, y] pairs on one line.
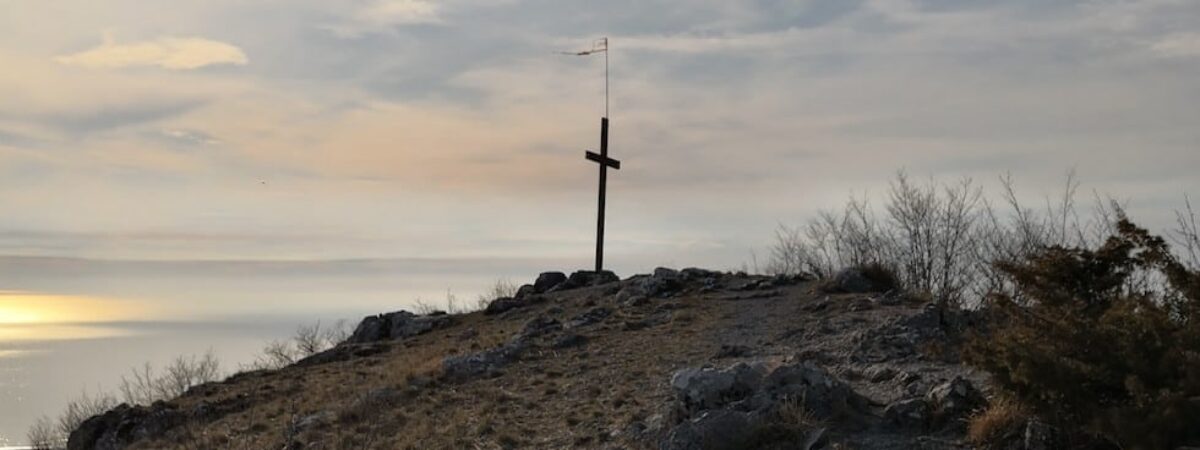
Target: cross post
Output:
{"points": [[604, 162]]}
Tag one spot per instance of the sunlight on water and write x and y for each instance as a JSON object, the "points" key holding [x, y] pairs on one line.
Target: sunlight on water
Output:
{"points": [[24, 308], [54, 332]]}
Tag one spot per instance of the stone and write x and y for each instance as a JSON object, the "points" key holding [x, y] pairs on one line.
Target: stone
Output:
{"points": [[397, 325], [663, 272], [592, 316], [524, 291], [120, 426], [481, 363], [712, 430], [694, 274], [909, 414], [548, 280], [502, 304], [879, 374], [707, 388], [539, 326], [852, 280], [953, 400], [586, 278]]}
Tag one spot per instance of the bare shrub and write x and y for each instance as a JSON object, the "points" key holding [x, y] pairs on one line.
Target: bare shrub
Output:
{"points": [[43, 435], [275, 355], [144, 385], [941, 239], [1186, 235], [81, 409], [502, 288]]}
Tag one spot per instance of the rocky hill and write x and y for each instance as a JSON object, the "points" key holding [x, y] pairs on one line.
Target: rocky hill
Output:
{"points": [[689, 359]]}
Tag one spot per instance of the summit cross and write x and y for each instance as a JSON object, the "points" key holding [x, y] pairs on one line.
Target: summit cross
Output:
{"points": [[604, 162]]}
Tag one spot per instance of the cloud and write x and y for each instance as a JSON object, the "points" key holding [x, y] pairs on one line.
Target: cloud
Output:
{"points": [[377, 16], [172, 53], [1178, 45]]}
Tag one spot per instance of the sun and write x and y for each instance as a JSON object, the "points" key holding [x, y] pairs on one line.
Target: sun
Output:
{"points": [[14, 314], [30, 308]]}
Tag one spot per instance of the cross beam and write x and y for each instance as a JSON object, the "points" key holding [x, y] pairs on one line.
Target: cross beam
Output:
{"points": [[604, 162]]}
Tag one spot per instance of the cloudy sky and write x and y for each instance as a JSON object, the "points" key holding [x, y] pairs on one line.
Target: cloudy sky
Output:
{"points": [[423, 130]]}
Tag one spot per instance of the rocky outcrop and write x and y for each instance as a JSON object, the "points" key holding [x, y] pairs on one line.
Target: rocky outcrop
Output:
{"points": [[122, 425], [397, 325], [547, 281], [750, 403], [585, 278]]}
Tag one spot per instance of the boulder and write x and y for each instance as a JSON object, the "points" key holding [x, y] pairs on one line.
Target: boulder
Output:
{"points": [[742, 406], [475, 364], [663, 272], [502, 304], [953, 400], [547, 281], [539, 326], [397, 325], [586, 278], [852, 280], [698, 389], [525, 290], [120, 426]]}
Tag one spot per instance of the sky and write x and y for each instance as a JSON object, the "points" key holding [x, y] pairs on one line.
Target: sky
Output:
{"points": [[449, 135]]}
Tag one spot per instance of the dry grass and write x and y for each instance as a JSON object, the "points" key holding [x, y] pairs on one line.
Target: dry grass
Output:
{"points": [[1003, 417]]}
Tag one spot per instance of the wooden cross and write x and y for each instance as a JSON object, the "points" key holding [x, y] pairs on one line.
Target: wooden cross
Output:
{"points": [[605, 162]]}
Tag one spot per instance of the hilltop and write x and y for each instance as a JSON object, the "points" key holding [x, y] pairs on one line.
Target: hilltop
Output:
{"points": [[689, 359]]}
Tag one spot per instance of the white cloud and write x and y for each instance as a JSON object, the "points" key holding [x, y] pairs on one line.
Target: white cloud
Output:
{"points": [[171, 53], [377, 16], [1178, 45]]}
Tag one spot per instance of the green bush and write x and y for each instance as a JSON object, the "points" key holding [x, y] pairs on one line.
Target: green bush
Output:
{"points": [[1104, 343]]}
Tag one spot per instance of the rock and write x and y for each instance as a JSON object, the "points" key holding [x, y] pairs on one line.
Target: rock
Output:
{"points": [[592, 316], [636, 300], [117, 428], [663, 272], [525, 290], [694, 274], [852, 280], [712, 430], [586, 278], [824, 396], [953, 400], [397, 325], [548, 280], [708, 388], [879, 374], [570, 340], [730, 408], [539, 326], [910, 414], [476, 364], [502, 304]]}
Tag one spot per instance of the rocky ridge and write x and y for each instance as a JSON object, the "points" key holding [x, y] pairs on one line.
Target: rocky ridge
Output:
{"points": [[687, 359]]}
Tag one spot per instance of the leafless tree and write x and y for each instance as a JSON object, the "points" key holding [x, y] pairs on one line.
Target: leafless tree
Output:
{"points": [[43, 435]]}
